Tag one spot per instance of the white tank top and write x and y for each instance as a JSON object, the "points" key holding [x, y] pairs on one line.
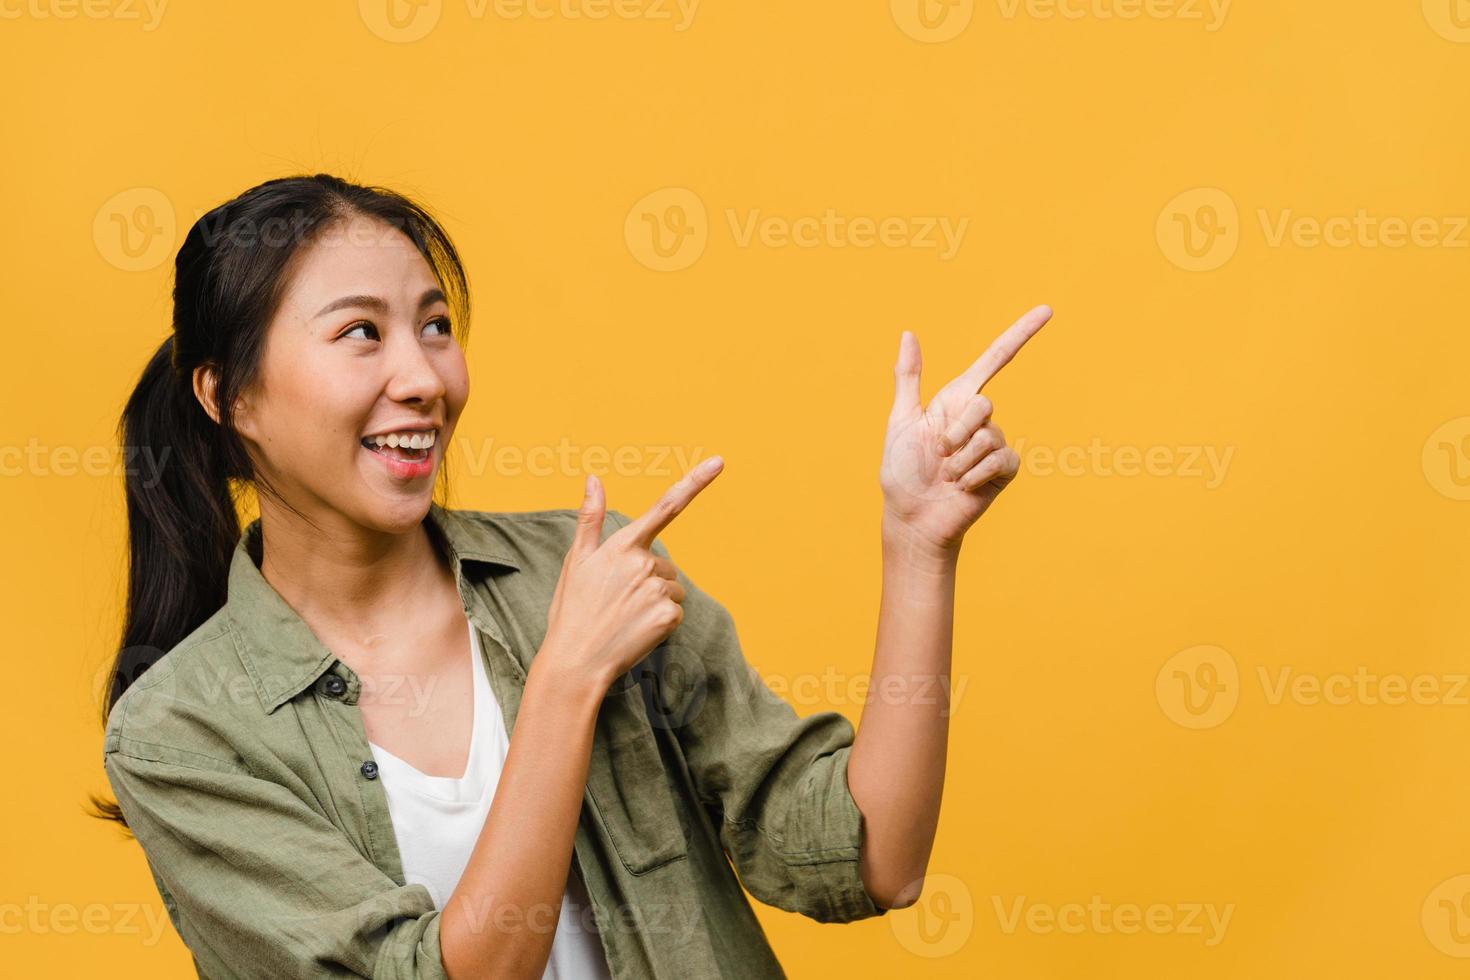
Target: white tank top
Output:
{"points": [[437, 821]]}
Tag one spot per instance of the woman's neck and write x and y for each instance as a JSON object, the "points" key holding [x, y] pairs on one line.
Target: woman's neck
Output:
{"points": [[348, 578]]}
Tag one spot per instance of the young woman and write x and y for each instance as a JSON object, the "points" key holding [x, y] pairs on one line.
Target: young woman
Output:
{"points": [[309, 719]]}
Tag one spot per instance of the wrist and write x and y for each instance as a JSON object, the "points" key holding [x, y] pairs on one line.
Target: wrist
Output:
{"points": [[901, 541], [583, 685]]}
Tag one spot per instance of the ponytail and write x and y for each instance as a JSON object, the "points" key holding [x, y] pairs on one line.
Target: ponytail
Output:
{"points": [[182, 520], [182, 523]]}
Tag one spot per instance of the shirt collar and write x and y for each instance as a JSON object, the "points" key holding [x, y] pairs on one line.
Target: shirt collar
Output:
{"points": [[280, 652]]}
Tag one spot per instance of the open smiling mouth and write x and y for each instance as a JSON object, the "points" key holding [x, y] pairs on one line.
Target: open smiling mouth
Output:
{"points": [[406, 447]]}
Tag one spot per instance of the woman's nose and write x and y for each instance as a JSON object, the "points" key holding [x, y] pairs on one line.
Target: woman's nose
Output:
{"points": [[413, 376]]}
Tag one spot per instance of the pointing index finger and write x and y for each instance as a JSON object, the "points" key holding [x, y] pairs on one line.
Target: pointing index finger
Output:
{"points": [[648, 525], [1005, 347]]}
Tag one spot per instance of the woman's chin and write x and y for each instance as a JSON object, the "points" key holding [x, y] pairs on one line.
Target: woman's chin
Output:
{"points": [[395, 513]]}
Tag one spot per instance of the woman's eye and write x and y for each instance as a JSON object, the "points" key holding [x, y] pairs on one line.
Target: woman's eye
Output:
{"points": [[441, 322]]}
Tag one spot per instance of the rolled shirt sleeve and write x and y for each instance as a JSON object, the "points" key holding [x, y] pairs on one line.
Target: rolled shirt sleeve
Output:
{"points": [[777, 782], [264, 885]]}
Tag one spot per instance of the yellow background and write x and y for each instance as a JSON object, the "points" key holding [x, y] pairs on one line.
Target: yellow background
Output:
{"points": [[1331, 377]]}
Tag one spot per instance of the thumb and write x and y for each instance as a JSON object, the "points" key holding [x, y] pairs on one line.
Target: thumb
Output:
{"points": [[589, 520], [906, 376]]}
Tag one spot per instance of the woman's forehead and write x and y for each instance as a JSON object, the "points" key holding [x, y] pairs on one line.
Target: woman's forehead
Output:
{"points": [[386, 265]]}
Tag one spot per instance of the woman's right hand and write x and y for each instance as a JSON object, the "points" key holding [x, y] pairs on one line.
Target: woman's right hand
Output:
{"points": [[617, 600]]}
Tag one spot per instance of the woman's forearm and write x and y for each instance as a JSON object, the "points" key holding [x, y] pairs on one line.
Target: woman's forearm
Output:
{"points": [[502, 917], [896, 769]]}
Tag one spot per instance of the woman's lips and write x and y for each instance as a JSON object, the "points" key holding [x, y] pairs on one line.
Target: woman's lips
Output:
{"points": [[402, 467]]}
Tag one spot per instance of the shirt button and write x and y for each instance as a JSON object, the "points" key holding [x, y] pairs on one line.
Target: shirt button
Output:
{"points": [[370, 769], [334, 686]]}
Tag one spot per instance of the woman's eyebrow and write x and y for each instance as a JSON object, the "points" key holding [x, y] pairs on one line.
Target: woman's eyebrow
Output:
{"points": [[430, 297]]}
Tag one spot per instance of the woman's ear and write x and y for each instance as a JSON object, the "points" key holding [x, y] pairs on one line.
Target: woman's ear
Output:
{"points": [[205, 379], [206, 388]]}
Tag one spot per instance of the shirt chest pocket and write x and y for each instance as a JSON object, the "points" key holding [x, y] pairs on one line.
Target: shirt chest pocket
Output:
{"points": [[627, 784]]}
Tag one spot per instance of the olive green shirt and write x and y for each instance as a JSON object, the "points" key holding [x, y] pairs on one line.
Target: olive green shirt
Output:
{"points": [[242, 765]]}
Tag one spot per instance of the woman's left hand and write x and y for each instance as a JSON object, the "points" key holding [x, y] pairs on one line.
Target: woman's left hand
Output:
{"points": [[945, 464]]}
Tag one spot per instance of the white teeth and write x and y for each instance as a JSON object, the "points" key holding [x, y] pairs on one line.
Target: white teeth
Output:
{"points": [[405, 440]]}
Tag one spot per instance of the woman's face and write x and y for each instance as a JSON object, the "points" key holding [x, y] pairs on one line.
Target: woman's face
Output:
{"points": [[361, 347]]}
